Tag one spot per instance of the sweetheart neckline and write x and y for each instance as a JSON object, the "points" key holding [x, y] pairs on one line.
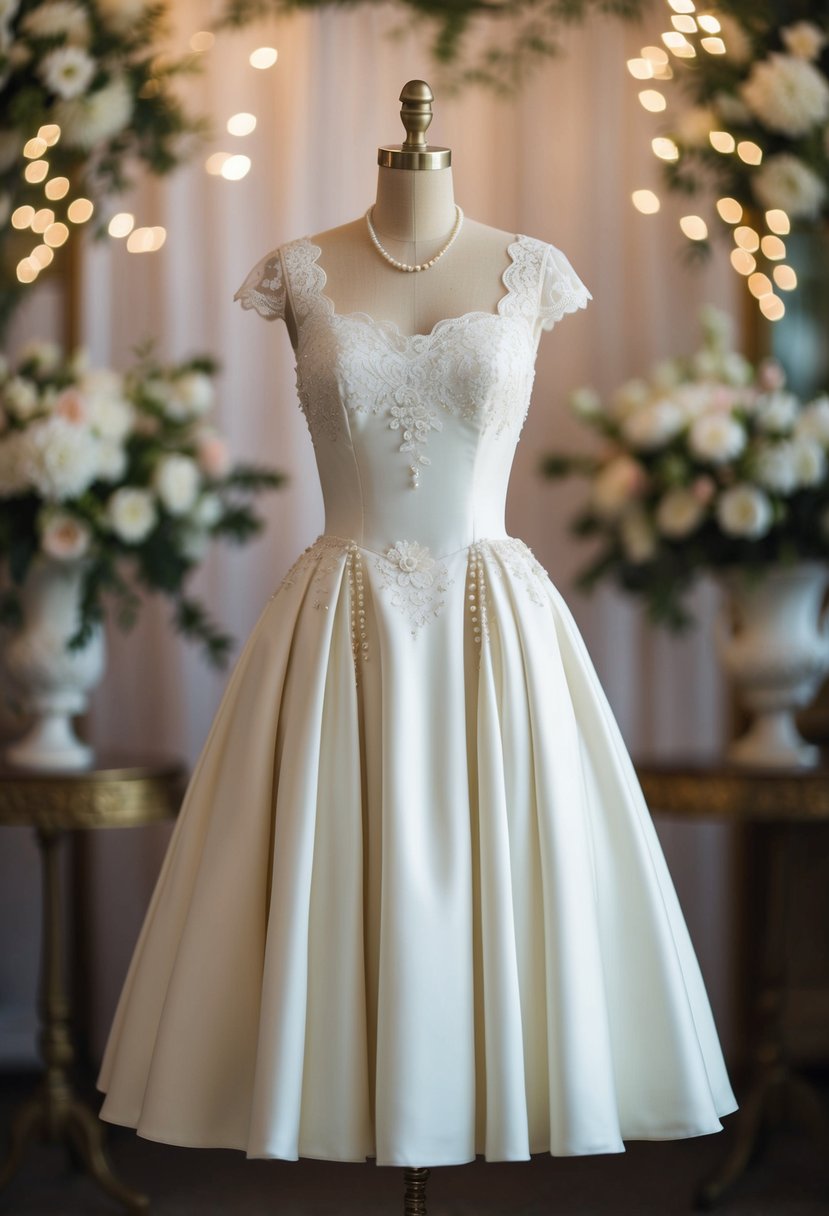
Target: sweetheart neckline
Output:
{"points": [[382, 324]]}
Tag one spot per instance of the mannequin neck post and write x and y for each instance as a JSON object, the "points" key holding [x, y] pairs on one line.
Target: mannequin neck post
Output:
{"points": [[414, 204]]}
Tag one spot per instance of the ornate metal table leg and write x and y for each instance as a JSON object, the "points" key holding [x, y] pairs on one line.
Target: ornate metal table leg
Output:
{"points": [[414, 1202], [54, 1113]]}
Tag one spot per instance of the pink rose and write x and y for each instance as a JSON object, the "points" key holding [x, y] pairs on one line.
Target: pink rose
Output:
{"points": [[213, 455], [703, 489], [64, 537], [71, 406]]}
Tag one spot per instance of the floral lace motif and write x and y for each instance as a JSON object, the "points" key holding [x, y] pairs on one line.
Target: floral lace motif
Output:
{"points": [[416, 580], [520, 561], [264, 288]]}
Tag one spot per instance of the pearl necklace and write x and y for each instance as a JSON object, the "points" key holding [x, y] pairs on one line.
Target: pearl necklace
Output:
{"points": [[407, 266]]}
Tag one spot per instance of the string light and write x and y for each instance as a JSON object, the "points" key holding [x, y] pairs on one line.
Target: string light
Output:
{"points": [[121, 225], [56, 235], [80, 210], [263, 57], [22, 216], [743, 262], [682, 6], [652, 100], [49, 133], [772, 307], [27, 270], [708, 23], [146, 240], [202, 41], [42, 219], [34, 148], [785, 277], [729, 210], [678, 45], [56, 187], [749, 152], [35, 171], [640, 69], [685, 24], [235, 168], [747, 238], [714, 46], [42, 256], [722, 141], [645, 201], [773, 248], [694, 227], [215, 163], [243, 124], [777, 221], [665, 148]]}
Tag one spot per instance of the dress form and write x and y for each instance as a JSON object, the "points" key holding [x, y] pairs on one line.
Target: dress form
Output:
{"points": [[413, 215]]}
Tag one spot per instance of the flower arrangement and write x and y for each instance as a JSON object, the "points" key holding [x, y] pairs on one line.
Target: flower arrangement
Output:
{"points": [[707, 464], [121, 473], [84, 92]]}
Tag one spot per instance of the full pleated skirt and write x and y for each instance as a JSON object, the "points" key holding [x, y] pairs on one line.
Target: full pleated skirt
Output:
{"points": [[414, 907]]}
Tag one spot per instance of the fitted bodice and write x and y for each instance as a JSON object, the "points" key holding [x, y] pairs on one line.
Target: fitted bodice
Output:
{"points": [[415, 434]]}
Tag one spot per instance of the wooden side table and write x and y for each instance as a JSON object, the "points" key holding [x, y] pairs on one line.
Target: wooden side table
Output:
{"points": [[121, 791], [773, 804]]}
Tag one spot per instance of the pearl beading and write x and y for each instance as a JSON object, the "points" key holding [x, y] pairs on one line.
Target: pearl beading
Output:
{"points": [[409, 267], [356, 588], [476, 593]]}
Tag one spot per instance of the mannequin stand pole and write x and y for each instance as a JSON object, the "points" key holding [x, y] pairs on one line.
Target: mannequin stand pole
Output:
{"points": [[414, 1200]]}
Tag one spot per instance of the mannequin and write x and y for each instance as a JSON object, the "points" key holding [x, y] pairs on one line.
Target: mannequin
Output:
{"points": [[413, 215]]}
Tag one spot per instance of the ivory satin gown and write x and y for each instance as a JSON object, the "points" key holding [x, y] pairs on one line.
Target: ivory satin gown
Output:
{"points": [[414, 907]]}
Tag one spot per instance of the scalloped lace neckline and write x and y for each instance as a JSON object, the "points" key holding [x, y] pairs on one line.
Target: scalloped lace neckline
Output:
{"points": [[389, 326]]}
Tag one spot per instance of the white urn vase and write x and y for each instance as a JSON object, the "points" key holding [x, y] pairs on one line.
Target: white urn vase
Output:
{"points": [[773, 642], [51, 683]]}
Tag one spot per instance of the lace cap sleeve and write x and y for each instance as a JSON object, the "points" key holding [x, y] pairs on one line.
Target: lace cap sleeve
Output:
{"points": [[264, 288], [562, 290]]}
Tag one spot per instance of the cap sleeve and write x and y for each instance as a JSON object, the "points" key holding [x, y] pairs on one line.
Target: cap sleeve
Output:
{"points": [[264, 288], [562, 290]]}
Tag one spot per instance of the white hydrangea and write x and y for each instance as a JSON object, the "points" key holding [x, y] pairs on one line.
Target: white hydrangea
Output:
{"points": [[804, 39], [177, 483], [679, 513], [774, 467], [744, 511], [787, 95], [21, 398], [195, 391], [57, 18], [654, 425], [64, 536], [785, 182], [813, 421], [776, 412], [637, 536], [97, 117], [67, 71], [809, 460], [14, 476], [112, 460], [616, 485], [132, 514], [716, 438], [62, 458]]}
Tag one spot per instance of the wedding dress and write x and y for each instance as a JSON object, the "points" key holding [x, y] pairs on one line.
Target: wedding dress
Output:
{"points": [[414, 907]]}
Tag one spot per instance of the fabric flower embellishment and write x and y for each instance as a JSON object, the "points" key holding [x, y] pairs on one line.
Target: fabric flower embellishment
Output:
{"points": [[415, 580], [415, 420], [415, 565]]}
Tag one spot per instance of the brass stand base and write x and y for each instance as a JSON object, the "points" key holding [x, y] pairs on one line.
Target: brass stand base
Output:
{"points": [[414, 1200], [75, 1125], [776, 1092]]}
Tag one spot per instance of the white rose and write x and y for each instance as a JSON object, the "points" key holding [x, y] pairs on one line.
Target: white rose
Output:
{"points": [[132, 514], [208, 511], [735, 369], [57, 18], [637, 535], [654, 425], [785, 182], [64, 536], [716, 438], [67, 72], [631, 396], [46, 356], [804, 39], [91, 120], [62, 458], [809, 461], [813, 421], [787, 95], [111, 417], [112, 460], [20, 397], [744, 511], [14, 478], [194, 392], [679, 513], [177, 483], [775, 467], [692, 400], [776, 412], [620, 481]]}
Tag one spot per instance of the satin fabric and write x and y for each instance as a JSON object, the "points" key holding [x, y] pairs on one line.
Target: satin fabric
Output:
{"points": [[414, 907]]}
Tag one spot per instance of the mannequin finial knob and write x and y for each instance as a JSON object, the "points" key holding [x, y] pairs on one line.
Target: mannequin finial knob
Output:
{"points": [[416, 112]]}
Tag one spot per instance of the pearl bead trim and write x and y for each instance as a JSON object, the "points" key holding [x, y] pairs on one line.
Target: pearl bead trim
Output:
{"points": [[409, 267]]}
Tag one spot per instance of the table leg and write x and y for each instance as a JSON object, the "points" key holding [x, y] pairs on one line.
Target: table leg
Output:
{"points": [[54, 1113], [776, 1087]]}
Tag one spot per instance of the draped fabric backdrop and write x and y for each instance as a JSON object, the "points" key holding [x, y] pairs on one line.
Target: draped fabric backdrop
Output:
{"points": [[559, 162]]}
